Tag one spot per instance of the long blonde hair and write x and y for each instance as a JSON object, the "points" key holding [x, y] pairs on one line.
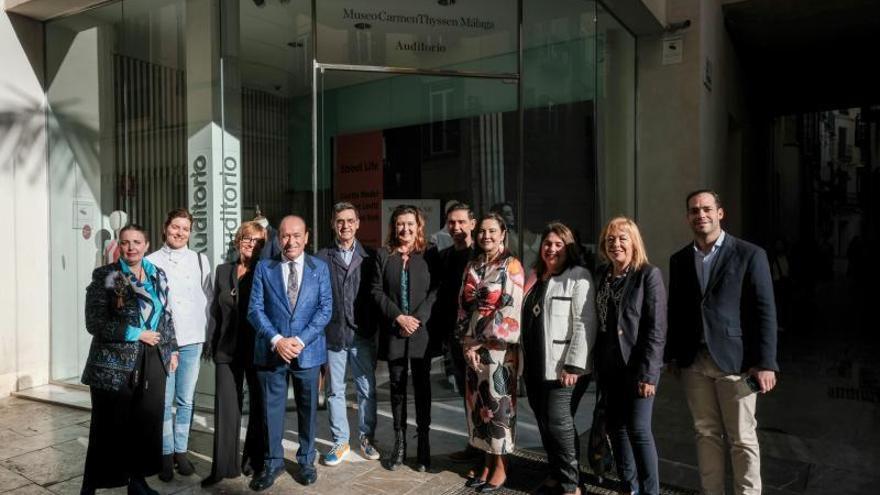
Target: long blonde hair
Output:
{"points": [[627, 225]]}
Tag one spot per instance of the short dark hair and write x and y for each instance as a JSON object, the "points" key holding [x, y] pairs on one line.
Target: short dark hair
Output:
{"points": [[460, 207], [711, 192], [135, 227], [177, 213], [345, 205]]}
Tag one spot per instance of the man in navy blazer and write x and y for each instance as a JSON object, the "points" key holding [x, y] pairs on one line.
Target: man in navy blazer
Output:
{"points": [[291, 303], [722, 336]]}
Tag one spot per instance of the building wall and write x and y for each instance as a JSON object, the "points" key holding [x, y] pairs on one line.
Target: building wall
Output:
{"points": [[693, 131], [24, 298], [668, 135]]}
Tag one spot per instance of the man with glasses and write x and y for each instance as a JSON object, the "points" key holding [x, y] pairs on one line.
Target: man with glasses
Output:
{"points": [[351, 342], [722, 337]]}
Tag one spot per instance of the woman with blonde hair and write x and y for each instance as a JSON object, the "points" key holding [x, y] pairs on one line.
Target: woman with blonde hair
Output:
{"points": [[404, 295], [231, 347], [559, 329], [631, 303]]}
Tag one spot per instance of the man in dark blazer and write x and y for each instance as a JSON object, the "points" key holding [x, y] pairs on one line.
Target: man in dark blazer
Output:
{"points": [[291, 303], [351, 334], [447, 268], [722, 336]]}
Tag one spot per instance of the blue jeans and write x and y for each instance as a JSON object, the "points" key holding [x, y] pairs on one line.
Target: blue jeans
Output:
{"points": [[361, 357], [629, 425], [179, 391]]}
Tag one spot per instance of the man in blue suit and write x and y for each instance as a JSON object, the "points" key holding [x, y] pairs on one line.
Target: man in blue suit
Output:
{"points": [[722, 336], [291, 303]]}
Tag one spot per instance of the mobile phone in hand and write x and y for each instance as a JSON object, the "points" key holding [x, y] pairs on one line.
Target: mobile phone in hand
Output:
{"points": [[753, 384]]}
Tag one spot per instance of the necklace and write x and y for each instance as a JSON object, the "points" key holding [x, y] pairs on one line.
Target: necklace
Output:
{"points": [[611, 289]]}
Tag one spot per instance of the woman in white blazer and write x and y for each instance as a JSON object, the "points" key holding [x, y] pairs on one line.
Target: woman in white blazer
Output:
{"points": [[558, 332]]}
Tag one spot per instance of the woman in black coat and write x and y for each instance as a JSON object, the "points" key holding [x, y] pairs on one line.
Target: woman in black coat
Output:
{"points": [[404, 295], [133, 349], [232, 349], [631, 304]]}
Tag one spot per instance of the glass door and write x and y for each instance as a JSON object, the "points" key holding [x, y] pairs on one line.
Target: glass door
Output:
{"points": [[384, 139]]}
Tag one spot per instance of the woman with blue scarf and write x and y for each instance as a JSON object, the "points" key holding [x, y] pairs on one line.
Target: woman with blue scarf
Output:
{"points": [[133, 350]]}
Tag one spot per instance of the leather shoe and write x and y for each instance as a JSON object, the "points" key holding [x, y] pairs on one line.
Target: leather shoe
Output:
{"points": [[489, 488], [265, 479], [139, 486], [308, 475], [211, 480], [246, 468], [474, 482]]}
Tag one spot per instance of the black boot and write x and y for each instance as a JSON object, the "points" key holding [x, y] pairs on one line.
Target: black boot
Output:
{"points": [[424, 452], [398, 454], [184, 467], [167, 472], [139, 486]]}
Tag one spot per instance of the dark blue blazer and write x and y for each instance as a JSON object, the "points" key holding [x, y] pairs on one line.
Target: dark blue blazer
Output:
{"points": [[353, 305], [641, 322], [270, 312], [737, 313]]}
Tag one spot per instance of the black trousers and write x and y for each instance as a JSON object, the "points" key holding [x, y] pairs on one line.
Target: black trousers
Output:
{"points": [[554, 407], [228, 405], [421, 374], [125, 436], [456, 354]]}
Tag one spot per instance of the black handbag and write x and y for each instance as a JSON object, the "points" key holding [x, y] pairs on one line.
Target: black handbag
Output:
{"points": [[599, 450], [113, 365]]}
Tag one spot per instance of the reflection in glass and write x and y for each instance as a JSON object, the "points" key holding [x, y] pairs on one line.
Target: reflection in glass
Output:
{"points": [[419, 139]]}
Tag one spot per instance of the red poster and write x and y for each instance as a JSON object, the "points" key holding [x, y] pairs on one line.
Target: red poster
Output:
{"points": [[358, 180]]}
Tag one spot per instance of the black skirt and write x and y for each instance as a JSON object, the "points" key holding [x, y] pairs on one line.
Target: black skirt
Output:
{"points": [[125, 437]]}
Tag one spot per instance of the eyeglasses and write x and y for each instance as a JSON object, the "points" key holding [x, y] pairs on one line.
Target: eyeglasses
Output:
{"points": [[252, 240]]}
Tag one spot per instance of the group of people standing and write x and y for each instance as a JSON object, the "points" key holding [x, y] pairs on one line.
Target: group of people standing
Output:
{"points": [[551, 327]]}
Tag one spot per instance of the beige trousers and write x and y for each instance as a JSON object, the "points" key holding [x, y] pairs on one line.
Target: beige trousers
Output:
{"points": [[723, 410]]}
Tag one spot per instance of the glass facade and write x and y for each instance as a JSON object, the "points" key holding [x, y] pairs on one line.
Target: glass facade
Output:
{"points": [[236, 107]]}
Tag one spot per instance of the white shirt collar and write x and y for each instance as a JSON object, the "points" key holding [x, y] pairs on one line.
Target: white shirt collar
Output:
{"points": [[718, 243], [168, 249], [298, 260]]}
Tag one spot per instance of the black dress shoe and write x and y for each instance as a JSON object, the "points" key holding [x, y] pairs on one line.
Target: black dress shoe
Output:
{"points": [[308, 476], [139, 486], [265, 479], [474, 482], [489, 487], [211, 480], [246, 468]]}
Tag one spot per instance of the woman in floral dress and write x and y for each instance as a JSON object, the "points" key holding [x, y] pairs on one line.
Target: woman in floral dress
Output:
{"points": [[489, 329]]}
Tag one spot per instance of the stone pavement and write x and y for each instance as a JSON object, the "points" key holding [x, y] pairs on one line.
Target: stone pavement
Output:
{"points": [[819, 431]]}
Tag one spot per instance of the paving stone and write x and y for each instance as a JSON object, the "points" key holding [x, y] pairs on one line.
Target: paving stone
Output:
{"points": [[14, 444], [10, 480], [30, 489], [69, 487], [47, 466]]}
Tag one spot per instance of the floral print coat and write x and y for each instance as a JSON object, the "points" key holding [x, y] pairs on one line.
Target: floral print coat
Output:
{"points": [[489, 312]]}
